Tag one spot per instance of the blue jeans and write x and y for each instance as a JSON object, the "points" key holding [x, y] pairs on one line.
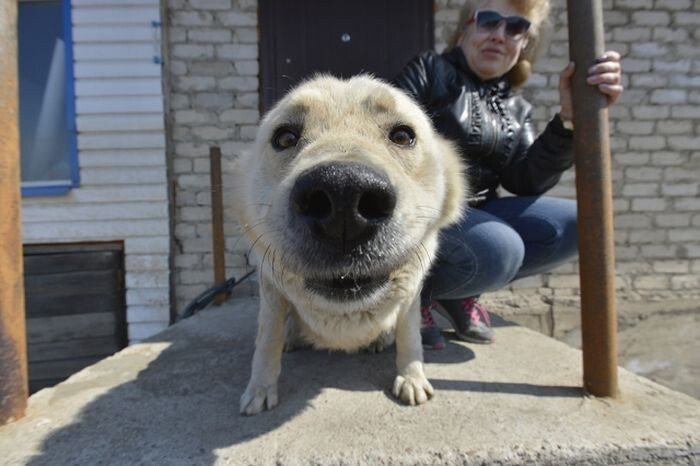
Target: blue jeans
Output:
{"points": [[500, 241]]}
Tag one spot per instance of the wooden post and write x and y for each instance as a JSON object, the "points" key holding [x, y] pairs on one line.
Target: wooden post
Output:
{"points": [[217, 221], [13, 344], [594, 198]]}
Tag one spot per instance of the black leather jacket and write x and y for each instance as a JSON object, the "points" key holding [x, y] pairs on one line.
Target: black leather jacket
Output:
{"points": [[491, 125]]}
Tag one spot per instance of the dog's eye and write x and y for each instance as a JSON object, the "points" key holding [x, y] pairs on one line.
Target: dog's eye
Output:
{"points": [[403, 136], [284, 138]]}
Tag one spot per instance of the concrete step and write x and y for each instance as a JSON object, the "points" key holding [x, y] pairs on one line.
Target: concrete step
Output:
{"points": [[174, 400]]}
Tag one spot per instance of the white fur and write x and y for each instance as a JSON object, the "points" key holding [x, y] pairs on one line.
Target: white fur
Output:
{"points": [[345, 121]]}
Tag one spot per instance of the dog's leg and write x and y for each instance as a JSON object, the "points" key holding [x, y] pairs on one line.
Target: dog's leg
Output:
{"points": [[410, 385], [292, 334], [261, 392]]}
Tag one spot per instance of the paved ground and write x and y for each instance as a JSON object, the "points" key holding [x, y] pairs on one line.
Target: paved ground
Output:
{"points": [[173, 400], [662, 347]]}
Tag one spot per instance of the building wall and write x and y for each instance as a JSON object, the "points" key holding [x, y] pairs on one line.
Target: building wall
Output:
{"points": [[213, 100], [655, 146], [213, 72], [123, 193]]}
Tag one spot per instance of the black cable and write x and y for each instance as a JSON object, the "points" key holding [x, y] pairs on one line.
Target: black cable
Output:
{"points": [[204, 299]]}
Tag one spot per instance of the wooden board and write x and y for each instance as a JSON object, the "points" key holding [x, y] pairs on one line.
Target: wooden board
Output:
{"points": [[46, 374], [77, 348], [75, 306], [41, 264], [60, 328]]}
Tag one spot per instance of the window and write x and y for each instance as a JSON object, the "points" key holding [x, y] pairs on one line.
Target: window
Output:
{"points": [[49, 164]]}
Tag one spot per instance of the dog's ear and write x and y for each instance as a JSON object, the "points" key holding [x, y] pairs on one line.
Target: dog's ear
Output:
{"points": [[457, 188]]}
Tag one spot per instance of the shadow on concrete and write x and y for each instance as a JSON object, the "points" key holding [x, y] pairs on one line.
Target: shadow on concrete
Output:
{"points": [[453, 354], [508, 387], [185, 401]]}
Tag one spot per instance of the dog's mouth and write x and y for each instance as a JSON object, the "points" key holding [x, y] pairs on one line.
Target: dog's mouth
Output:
{"points": [[347, 287]]}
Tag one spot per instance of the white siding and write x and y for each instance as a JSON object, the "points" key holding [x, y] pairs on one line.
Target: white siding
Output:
{"points": [[108, 52], [125, 86], [123, 195], [116, 69], [148, 122], [114, 13], [125, 34], [119, 104]]}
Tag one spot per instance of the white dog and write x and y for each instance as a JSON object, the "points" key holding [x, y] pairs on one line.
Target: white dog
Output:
{"points": [[343, 196]]}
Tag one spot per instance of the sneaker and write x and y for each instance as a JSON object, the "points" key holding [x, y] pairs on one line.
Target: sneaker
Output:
{"points": [[429, 331], [470, 320]]}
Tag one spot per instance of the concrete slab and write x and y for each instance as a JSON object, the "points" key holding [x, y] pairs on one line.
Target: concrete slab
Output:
{"points": [[174, 400]]}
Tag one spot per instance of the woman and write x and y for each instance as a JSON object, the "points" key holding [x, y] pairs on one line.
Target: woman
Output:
{"points": [[470, 93]]}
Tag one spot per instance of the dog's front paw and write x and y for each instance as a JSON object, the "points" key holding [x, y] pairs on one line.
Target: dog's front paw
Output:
{"points": [[256, 398], [413, 389]]}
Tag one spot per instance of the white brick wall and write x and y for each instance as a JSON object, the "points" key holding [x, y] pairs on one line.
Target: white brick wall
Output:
{"points": [[655, 138], [121, 152], [214, 101]]}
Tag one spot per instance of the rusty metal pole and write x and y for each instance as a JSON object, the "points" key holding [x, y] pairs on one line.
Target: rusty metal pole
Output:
{"points": [[217, 221], [13, 343], [594, 198]]}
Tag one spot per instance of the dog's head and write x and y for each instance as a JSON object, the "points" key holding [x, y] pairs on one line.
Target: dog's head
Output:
{"points": [[346, 188]]}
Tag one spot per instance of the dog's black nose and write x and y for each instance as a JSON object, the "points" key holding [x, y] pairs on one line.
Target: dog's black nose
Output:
{"points": [[343, 203]]}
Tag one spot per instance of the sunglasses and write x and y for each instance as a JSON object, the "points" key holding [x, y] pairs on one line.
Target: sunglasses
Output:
{"points": [[488, 21]]}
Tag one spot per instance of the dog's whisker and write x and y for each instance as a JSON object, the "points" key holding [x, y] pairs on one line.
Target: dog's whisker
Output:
{"points": [[420, 260], [244, 235], [427, 255], [252, 246], [311, 303], [264, 259], [235, 244], [284, 263], [427, 207], [250, 227], [271, 259], [424, 217], [278, 276], [246, 230], [262, 265], [423, 257], [277, 273], [272, 262], [268, 260]]}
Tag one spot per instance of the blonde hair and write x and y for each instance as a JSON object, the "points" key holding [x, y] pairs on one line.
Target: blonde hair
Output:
{"points": [[536, 11]]}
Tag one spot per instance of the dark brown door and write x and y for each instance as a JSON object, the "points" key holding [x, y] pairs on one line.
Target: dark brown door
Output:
{"points": [[303, 37]]}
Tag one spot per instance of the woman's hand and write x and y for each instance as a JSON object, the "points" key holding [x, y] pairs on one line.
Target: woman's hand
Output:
{"points": [[606, 74]]}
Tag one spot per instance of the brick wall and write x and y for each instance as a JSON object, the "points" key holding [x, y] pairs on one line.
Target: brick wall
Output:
{"points": [[213, 100], [654, 129]]}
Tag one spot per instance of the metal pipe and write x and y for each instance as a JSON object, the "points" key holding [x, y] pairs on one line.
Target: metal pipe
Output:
{"points": [[594, 198], [217, 221], [13, 343]]}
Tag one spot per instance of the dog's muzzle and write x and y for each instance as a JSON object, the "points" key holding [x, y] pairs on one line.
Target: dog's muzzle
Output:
{"points": [[343, 205]]}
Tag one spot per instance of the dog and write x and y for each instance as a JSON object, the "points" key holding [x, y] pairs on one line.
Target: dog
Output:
{"points": [[343, 196]]}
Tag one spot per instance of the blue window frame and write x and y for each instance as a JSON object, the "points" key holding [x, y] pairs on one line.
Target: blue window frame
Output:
{"points": [[49, 156]]}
